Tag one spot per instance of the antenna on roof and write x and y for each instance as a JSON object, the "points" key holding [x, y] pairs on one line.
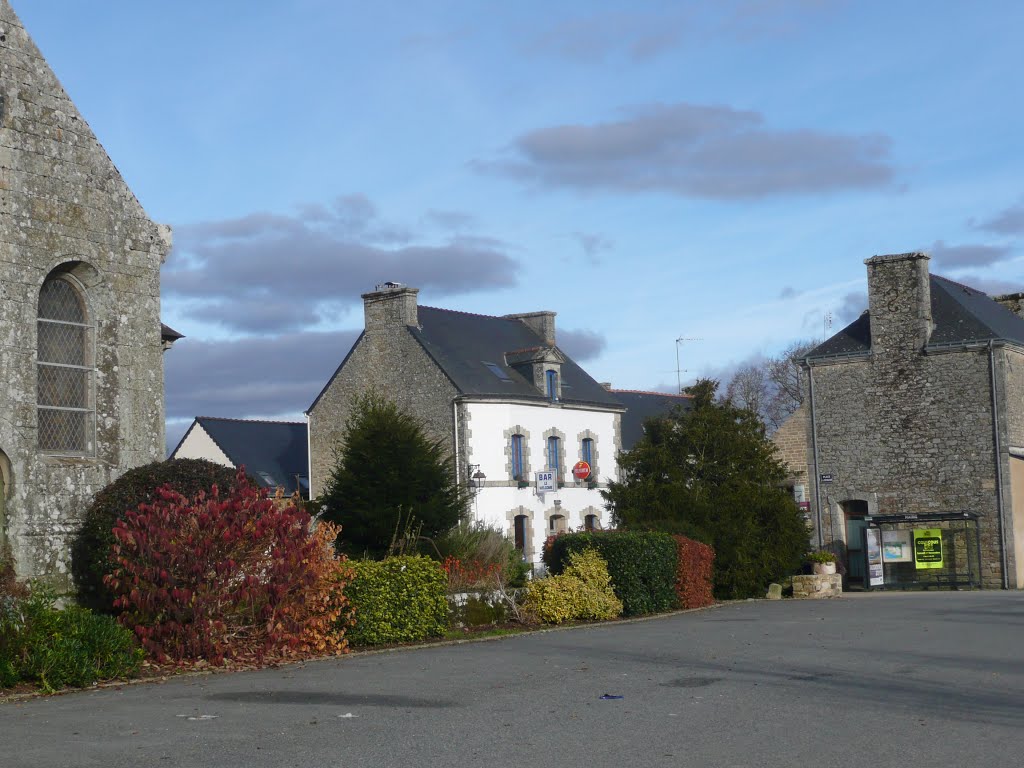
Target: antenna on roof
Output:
{"points": [[679, 371], [389, 285], [827, 324]]}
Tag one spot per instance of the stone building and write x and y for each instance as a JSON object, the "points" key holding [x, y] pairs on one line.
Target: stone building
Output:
{"points": [[500, 394], [81, 342], [917, 413]]}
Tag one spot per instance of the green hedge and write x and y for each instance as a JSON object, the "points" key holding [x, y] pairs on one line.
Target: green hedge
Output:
{"points": [[642, 565], [397, 600], [58, 648]]}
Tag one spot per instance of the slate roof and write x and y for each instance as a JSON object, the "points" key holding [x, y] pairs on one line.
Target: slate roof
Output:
{"points": [[273, 452], [960, 313], [641, 406], [471, 350]]}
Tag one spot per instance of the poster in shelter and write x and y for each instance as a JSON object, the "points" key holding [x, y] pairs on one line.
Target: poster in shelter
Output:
{"points": [[896, 547], [928, 548], [873, 552]]}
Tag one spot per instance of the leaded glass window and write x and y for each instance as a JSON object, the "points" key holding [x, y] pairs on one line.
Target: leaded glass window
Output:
{"points": [[65, 358]]}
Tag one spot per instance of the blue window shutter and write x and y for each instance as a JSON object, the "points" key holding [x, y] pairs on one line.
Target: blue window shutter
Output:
{"points": [[552, 378], [517, 457], [553, 453], [588, 451]]}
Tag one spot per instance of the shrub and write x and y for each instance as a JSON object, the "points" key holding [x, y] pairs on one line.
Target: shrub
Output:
{"points": [[58, 648], [582, 591], [90, 551], [695, 573], [388, 475], [232, 575], [642, 565], [396, 600]]}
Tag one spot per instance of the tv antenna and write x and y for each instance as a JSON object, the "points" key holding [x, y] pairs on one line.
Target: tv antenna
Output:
{"points": [[679, 371], [827, 324]]}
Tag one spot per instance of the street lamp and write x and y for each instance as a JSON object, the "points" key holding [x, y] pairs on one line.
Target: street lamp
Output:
{"points": [[476, 482]]}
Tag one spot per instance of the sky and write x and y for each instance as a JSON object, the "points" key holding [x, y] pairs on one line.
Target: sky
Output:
{"points": [[711, 172]]}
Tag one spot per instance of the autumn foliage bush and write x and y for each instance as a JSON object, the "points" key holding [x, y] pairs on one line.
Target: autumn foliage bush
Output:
{"points": [[228, 575], [694, 573]]}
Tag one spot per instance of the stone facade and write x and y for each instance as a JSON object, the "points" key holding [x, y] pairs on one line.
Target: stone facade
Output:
{"points": [[68, 221], [908, 426], [387, 361]]}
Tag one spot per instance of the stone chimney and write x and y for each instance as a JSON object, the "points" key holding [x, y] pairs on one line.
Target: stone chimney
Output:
{"points": [[390, 305], [899, 302], [1013, 302], [541, 323]]}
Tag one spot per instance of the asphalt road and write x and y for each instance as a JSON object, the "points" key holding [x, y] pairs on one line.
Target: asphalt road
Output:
{"points": [[933, 679]]}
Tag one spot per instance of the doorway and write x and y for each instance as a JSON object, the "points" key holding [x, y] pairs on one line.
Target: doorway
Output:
{"points": [[854, 512]]}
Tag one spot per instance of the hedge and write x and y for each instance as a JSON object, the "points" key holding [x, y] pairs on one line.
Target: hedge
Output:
{"points": [[58, 648], [695, 573], [397, 600], [642, 565], [582, 591]]}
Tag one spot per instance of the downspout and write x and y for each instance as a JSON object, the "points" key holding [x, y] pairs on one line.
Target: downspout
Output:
{"points": [[455, 424], [999, 464], [814, 448], [309, 456]]}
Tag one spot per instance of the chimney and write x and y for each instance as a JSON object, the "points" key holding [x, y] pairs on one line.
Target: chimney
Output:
{"points": [[390, 305], [899, 302], [1013, 302], [541, 323]]}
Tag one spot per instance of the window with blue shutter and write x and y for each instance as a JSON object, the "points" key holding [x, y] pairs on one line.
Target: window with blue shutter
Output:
{"points": [[517, 457], [553, 451], [552, 378]]}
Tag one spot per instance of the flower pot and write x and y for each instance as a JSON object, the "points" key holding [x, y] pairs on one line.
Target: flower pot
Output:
{"points": [[824, 569]]}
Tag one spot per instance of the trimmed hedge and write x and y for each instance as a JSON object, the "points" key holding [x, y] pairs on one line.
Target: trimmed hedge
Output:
{"points": [[397, 600], [58, 648], [695, 573], [642, 565], [582, 591], [90, 551]]}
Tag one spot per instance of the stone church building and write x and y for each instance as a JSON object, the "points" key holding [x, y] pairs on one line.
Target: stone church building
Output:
{"points": [[81, 343], [916, 420]]}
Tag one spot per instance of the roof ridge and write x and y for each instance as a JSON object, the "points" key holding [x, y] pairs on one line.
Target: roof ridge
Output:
{"points": [[649, 392], [961, 285], [250, 421], [463, 312]]}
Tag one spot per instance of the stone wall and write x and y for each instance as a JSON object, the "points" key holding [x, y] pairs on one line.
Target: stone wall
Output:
{"points": [[388, 361], [791, 440], [64, 207]]}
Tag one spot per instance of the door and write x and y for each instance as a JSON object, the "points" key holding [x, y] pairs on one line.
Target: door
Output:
{"points": [[854, 512]]}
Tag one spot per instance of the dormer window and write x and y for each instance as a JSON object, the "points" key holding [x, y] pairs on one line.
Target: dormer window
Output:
{"points": [[551, 377]]}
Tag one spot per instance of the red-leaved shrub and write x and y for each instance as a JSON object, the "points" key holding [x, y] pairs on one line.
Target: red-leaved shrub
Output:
{"points": [[228, 575], [695, 573]]}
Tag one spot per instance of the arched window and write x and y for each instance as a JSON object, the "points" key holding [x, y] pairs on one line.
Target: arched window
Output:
{"points": [[557, 524], [520, 529], [65, 365], [591, 523]]}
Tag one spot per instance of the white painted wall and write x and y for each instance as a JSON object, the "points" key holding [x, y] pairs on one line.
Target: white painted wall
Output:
{"points": [[488, 426], [199, 445]]}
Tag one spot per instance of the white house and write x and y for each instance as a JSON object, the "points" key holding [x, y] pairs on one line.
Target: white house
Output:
{"points": [[502, 395]]}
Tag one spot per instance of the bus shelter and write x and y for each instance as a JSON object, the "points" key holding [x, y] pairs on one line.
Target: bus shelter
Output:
{"points": [[909, 551]]}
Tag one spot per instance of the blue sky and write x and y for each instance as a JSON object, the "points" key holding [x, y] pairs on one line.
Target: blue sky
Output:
{"points": [[715, 171]]}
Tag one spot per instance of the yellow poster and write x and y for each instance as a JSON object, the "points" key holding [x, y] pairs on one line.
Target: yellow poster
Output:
{"points": [[928, 548]]}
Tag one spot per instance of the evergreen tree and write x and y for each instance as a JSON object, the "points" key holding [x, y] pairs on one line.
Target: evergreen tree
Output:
{"points": [[389, 476], [713, 475]]}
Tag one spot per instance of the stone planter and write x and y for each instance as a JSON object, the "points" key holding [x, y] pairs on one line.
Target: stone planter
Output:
{"points": [[824, 569], [816, 587]]}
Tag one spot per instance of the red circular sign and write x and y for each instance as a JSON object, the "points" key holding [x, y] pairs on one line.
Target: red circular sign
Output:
{"points": [[581, 470]]}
